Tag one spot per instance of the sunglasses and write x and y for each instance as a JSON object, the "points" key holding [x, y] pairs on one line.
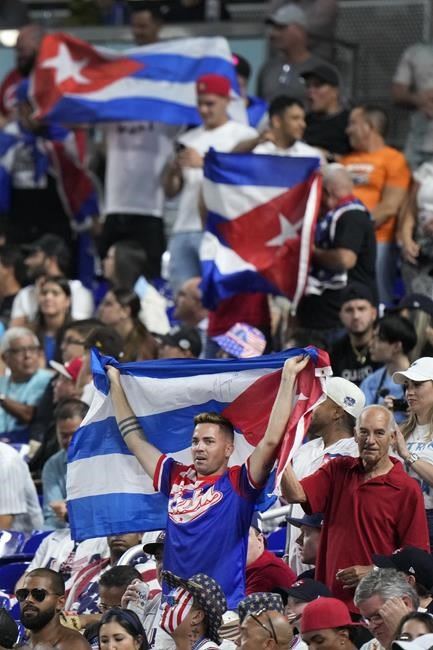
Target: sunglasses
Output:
{"points": [[38, 595], [271, 631]]}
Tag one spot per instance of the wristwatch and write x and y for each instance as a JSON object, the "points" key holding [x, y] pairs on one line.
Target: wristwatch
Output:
{"points": [[410, 460]]}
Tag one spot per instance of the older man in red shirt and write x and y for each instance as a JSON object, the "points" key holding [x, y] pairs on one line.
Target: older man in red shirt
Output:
{"points": [[369, 503]]}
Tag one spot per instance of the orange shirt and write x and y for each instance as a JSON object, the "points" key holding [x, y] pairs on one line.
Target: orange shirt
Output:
{"points": [[373, 171]]}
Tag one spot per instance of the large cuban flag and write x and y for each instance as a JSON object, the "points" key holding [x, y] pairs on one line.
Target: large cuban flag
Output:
{"points": [[107, 490], [262, 212], [75, 82]]}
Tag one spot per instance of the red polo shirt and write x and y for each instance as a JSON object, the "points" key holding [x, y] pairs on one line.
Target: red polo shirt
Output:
{"points": [[268, 572], [362, 517]]}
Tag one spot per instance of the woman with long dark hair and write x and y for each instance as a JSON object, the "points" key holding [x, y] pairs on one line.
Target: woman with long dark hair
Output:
{"points": [[53, 315], [121, 629]]}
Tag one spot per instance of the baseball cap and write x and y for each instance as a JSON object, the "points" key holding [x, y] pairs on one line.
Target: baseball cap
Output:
{"points": [[346, 394], [424, 642], [259, 601], [411, 560], [287, 15], [313, 521], [70, 370], [242, 341], [307, 590], [213, 84], [325, 613], [326, 73], [417, 301], [419, 370], [185, 338], [357, 291], [152, 540]]}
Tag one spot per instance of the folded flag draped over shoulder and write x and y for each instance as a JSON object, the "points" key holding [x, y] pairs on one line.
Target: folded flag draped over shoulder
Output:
{"points": [[262, 212], [75, 82], [107, 490]]}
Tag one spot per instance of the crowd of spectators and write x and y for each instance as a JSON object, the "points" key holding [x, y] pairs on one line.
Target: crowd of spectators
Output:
{"points": [[355, 567]]}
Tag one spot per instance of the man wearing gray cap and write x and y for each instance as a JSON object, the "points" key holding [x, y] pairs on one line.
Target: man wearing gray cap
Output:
{"points": [[281, 75], [331, 432]]}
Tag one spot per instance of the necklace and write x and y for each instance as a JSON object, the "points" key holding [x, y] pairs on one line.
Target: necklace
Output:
{"points": [[360, 354]]}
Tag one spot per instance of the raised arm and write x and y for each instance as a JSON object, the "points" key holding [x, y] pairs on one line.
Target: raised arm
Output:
{"points": [[263, 457], [129, 427]]}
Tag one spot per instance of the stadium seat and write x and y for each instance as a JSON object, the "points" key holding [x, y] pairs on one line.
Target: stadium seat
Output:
{"points": [[10, 573], [33, 542], [11, 542], [276, 542]]}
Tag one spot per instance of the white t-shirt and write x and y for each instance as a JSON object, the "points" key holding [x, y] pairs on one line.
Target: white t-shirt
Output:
{"points": [[18, 494], [419, 442], [307, 460], [299, 150], [25, 304], [223, 138], [137, 153]]}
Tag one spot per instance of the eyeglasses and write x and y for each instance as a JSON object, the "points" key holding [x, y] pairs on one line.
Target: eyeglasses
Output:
{"points": [[374, 619], [70, 341], [271, 631], [31, 349], [38, 595]]}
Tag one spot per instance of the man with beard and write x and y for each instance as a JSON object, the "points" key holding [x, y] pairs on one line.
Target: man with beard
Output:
{"points": [[41, 599], [331, 436], [350, 354], [27, 46]]}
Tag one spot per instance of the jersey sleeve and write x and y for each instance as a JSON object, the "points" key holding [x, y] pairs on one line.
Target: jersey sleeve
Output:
{"points": [[317, 488], [243, 483], [166, 472], [350, 230]]}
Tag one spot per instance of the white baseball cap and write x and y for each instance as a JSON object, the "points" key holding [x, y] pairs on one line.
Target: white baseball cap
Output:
{"points": [[419, 370], [424, 642], [345, 394], [287, 15]]}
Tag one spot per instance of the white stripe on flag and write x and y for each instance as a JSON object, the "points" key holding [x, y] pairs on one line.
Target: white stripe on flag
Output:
{"points": [[224, 258], [133, 88], [237, 200]]}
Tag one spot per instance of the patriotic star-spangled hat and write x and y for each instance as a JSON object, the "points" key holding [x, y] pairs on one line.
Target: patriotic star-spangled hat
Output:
{"points": [[242, 341], [259, 601], [207, 593]]}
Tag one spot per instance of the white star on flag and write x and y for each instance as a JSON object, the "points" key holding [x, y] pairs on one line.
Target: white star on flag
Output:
{"points": [[66, 67], [288, 231]]}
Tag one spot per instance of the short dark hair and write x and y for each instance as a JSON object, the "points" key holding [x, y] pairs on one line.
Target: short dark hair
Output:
{"points": [[56, 579], [119, 576], [242, 66], [281, 103], [215, 418], [83, 327], [154, 8], [105, 339], [395, 329], [12, 257], [376, 116], [70, 408], [61, 282]]}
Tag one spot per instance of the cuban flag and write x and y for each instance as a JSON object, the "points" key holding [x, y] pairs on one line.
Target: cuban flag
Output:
{"points": [[262, 212], [107, 490], [75, 83]]}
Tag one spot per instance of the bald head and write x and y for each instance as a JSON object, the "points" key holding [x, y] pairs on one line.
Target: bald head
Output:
{"points": [[189, 308], [268, 631], [337, 184], [27, 47]]}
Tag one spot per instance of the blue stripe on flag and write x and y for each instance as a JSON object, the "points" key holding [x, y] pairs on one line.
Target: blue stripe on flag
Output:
{"points": [[124, 109], [182, 69], [133, 514], [262, 170], [217, 286]]}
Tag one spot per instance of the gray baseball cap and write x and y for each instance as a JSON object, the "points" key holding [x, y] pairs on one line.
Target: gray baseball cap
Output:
{"points": [[287, 15]]}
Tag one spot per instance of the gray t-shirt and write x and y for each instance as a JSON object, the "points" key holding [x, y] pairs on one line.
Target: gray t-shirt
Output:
{"points": [[277, 77]]}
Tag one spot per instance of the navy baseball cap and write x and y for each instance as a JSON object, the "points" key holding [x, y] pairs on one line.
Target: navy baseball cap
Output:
{"points": [[307, 590], [313, 521], [411, 560]]}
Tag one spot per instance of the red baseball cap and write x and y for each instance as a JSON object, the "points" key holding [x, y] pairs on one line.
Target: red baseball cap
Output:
{"points": [[325, 614], [70, 370], [213, 84]]}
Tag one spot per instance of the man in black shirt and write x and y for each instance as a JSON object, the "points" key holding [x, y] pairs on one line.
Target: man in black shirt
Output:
{"points": [[327, 119], [350, 355], [344, 252]]}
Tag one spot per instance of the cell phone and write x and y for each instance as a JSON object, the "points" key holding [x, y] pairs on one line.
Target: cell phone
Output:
{"points": [[400, 405]]}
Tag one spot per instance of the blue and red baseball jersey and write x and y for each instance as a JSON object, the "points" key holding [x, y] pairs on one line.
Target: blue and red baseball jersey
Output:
{"points": [[208, 523]]}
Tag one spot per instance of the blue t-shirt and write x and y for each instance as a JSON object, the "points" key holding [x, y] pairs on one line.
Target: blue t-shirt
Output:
{"points": [[27, 392], [208, 523]]}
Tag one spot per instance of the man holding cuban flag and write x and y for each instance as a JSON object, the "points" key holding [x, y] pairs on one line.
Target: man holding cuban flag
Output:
{"points": [[210, 506]]}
